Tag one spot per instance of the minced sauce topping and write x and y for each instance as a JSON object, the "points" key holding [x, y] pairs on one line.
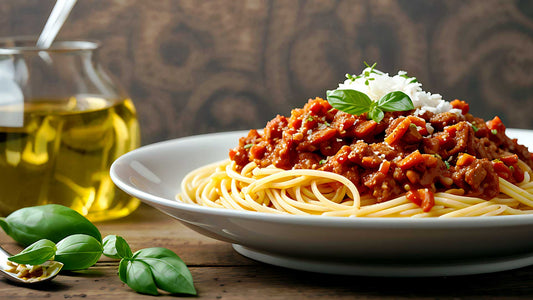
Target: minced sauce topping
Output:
{"points": [[436, 147]]}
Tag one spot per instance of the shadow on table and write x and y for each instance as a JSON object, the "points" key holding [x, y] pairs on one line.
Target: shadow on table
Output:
{"points": [[51, 286], [509, 283]]}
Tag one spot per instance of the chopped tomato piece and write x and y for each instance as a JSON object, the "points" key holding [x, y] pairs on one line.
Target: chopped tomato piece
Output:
{"points": [[366, 128], [232, 154], [295, 123], [419, 122], [257, 151], [465, 159], [428, 199], [463, 106], [422, 197], [395, 136], [318, 106], [507, 168], [323, 136], [510, 159], [370, 162], [451, 130], [443, 139], [411, 160], [414, 197], [384, 167], [496, 124], [430, 160], [501, 169], [518, 174], [342, 154]]}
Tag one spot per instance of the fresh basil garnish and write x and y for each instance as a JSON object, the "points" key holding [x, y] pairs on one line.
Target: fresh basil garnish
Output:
{"points": [[79, 247], [137, 275], [51, 221], [169, 271], [395, 101], [150, 269], [78, 251], [365, 75], [376, 114], [349, 101], [356, 103], [36, 253], [116, 247]]}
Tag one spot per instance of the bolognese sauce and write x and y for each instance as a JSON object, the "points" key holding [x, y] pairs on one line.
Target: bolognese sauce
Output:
{"points": [[404, 154]]}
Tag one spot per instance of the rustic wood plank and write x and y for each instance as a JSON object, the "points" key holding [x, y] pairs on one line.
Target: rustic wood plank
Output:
{"points": [[268, 282], [221, 273], [147, 227]]}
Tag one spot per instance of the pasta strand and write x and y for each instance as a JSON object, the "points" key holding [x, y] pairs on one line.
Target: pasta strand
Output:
{"points": [[314, 192]]}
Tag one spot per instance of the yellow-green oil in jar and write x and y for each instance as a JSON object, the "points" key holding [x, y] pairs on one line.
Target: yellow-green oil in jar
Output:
{"points": [[61, 153]]}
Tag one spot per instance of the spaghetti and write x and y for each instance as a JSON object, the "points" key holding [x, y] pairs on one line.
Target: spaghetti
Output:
{"points": [[310, 192], [410, 154]]}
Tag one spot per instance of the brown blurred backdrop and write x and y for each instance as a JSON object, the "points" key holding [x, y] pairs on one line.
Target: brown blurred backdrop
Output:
{"points": [[194, 67]]}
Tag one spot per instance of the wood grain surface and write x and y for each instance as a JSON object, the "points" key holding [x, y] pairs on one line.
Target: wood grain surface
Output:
{"points": [[221, 273]]}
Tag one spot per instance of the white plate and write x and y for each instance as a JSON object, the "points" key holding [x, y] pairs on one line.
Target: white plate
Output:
{"points": [[355, 246]]}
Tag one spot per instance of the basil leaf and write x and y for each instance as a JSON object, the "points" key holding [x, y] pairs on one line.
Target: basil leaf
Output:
{"points": [[376, 114], [52, 221], [123, 249], [395, 101], [349, 101], [78, 251], [116, 247], [36, 253], [169, 270], [138, 276], [123, 269], [5, 226]]}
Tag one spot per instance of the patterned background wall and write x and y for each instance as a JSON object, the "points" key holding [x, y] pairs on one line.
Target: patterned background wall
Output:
{"points": [[206, 66]]}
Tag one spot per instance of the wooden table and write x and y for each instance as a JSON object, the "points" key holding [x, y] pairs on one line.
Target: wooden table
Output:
{"points": [[221, 273]]}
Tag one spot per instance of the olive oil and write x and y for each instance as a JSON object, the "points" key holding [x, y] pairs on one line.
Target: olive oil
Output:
{"points": [[60, 151]]}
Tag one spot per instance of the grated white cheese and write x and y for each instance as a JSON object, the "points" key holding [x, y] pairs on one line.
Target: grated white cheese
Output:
{"points": [[380, 84]]}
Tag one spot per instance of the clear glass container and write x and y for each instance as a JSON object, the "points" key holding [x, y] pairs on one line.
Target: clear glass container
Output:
{"points": [[63, 121]]}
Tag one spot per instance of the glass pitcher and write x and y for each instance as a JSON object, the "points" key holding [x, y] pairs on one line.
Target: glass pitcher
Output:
{"points": [[63, 121]]}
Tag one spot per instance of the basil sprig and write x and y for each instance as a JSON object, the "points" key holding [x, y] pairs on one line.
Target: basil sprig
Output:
{"points": [[150, 269], [366, 74], [76, 252], [78, 247], [356, 103]]}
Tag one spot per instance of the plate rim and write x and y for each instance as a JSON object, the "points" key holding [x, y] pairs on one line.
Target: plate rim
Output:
{"points": [[361, 268], [320, 221]]}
